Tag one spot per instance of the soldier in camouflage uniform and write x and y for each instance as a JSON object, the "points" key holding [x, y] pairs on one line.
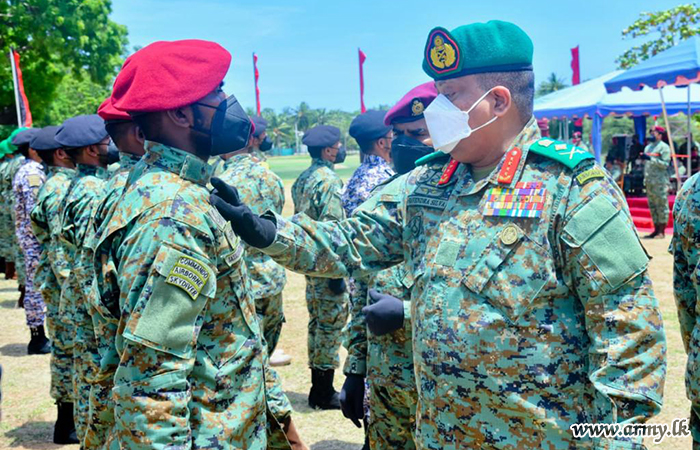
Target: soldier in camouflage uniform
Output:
{"points": [[85, 140], [317, 193], [260, 143], [656, 180], [52, 272], [531, 305], [25, 187], [387, 360], [259, 186], [7, 263], [686, 288], [6, 176], [192, 366], [100, 423]]}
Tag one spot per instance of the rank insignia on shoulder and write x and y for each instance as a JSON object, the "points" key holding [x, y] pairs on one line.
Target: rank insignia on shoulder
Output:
{"points": [[567, 154], [589, 175], [448, 172], [526, 199]]}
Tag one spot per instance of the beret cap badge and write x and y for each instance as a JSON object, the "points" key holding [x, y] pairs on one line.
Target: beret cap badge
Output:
{"points": [[442, 51], [417, 107]]}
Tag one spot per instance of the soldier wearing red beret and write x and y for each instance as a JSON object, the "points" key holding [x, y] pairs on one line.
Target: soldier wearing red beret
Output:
{"points": [[191, 367]]}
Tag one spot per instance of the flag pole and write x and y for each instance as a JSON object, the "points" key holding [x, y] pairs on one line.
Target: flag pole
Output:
{"points": [[15, 86]]}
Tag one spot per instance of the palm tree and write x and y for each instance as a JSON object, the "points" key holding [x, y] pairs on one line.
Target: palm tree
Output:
{"points": [[552, 84], [279, 129]]}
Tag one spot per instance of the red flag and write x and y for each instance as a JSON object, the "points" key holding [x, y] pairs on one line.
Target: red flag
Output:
{"points": [[256, 75], [24, 115], [576, 78], [362, 81]]}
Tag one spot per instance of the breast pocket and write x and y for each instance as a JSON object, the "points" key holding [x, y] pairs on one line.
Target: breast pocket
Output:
{"points": [[511, 270]]}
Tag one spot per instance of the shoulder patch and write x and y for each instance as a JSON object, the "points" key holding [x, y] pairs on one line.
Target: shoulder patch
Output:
{"points": [[433, 157], [34, 180], [589, 175], [189, 275], [567, 154]]}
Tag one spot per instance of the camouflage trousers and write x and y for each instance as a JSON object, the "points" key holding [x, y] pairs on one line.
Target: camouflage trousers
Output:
{"points": [[61, 334], [392, 417], [695, 424], [34, 307], [271, 315], [328, 314], [657, 194]]}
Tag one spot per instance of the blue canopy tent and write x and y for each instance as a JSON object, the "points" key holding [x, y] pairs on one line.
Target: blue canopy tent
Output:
{"points": [[590, 99], [676, 66]]}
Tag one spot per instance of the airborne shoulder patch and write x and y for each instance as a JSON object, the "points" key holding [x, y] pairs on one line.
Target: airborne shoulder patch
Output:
{"points": [[442, 52], [189, 275], [34, 180], [589, 175]]}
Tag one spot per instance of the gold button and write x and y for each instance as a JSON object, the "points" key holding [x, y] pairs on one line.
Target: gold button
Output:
{"points": [[509, 235]]}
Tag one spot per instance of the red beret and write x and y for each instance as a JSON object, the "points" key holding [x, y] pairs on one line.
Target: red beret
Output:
{"points": [[111, 114], [411, 106], [659, 129], [169, 74]]}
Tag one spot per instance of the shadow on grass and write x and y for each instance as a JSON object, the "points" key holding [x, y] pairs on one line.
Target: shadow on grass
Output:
{"points": [[300, 402], [335, 444], [35, 435], [8, 304], [14, 350]]}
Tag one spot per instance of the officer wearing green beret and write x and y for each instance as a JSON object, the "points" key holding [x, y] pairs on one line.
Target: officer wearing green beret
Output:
{"points": [[532, 309]]}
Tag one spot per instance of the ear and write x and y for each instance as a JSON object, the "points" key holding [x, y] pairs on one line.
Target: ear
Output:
{"points": [[92, 150], [502, 101], [138, 135], [181, 117], [61, 154]]}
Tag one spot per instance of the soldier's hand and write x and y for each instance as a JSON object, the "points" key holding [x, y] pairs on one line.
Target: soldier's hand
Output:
{"points": [[385, 315], [352, 399], [337, 286], [253, 229]]}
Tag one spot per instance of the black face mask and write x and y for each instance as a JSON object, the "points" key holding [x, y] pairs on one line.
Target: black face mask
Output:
{"points": [[266, 144], [112, 153], [405, 151], [340, 156], [230, 127]]}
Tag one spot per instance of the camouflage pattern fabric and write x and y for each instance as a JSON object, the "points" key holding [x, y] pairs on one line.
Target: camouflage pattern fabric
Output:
{"points": [[75, 212], [686, 288], [521, 326], [100, 423], [260, 188], [192, 365], [656, 180], [373, 171], [25, 187], [7, 175], [317, 193], [5, 217], [52, 272]]}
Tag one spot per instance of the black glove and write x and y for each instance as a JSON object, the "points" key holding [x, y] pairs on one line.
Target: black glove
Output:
{"points": [[352, 399], [337, 286], [253, 229], [385, 315], [645, 157]]}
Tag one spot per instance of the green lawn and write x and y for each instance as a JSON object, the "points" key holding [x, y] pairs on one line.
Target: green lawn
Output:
{"points": [[289, 167]]}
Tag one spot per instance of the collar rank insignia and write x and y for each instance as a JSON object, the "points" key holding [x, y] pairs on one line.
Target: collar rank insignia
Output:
{"points": [[448, 172], [526, 199], [442, 52], [510, 165]]}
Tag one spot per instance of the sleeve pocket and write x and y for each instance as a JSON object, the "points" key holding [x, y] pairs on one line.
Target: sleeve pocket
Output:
{"points": [[172, 302], [605, 235]]}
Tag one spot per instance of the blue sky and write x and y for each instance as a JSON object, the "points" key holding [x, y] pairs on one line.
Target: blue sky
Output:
{"points": [[307, 49]]}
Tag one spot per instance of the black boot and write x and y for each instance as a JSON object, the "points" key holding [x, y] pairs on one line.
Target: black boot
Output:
{"points": [[38, 345], [322, 395], [654, 233], [64, 430]]}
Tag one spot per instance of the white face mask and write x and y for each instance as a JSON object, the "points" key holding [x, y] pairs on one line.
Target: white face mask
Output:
{"points": [[448, 124]]}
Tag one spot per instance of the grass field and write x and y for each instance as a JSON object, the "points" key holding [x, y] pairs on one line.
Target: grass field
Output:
{"points": [[29, 413], [289, 167]]}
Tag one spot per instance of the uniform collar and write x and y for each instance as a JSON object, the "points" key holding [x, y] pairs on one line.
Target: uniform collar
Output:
{"points": [[184, 164], [235, 159], [322, 162], [56, 169], [127, 160], [87, 170], [527, 136], [374, 160]]}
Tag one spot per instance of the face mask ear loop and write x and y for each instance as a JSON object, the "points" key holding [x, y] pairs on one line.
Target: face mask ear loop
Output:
{"points": [[474, 106], [479, 101], [197, 116]]}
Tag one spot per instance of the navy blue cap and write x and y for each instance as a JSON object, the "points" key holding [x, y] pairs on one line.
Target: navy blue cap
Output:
{"points": [[45, 139], [369, 126], [260, 125], [24, 137], [81, 131], [321, 136]]}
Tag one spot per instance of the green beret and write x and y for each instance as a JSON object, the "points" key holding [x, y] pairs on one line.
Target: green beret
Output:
{"points": [[4, 148], [494, 46]]}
